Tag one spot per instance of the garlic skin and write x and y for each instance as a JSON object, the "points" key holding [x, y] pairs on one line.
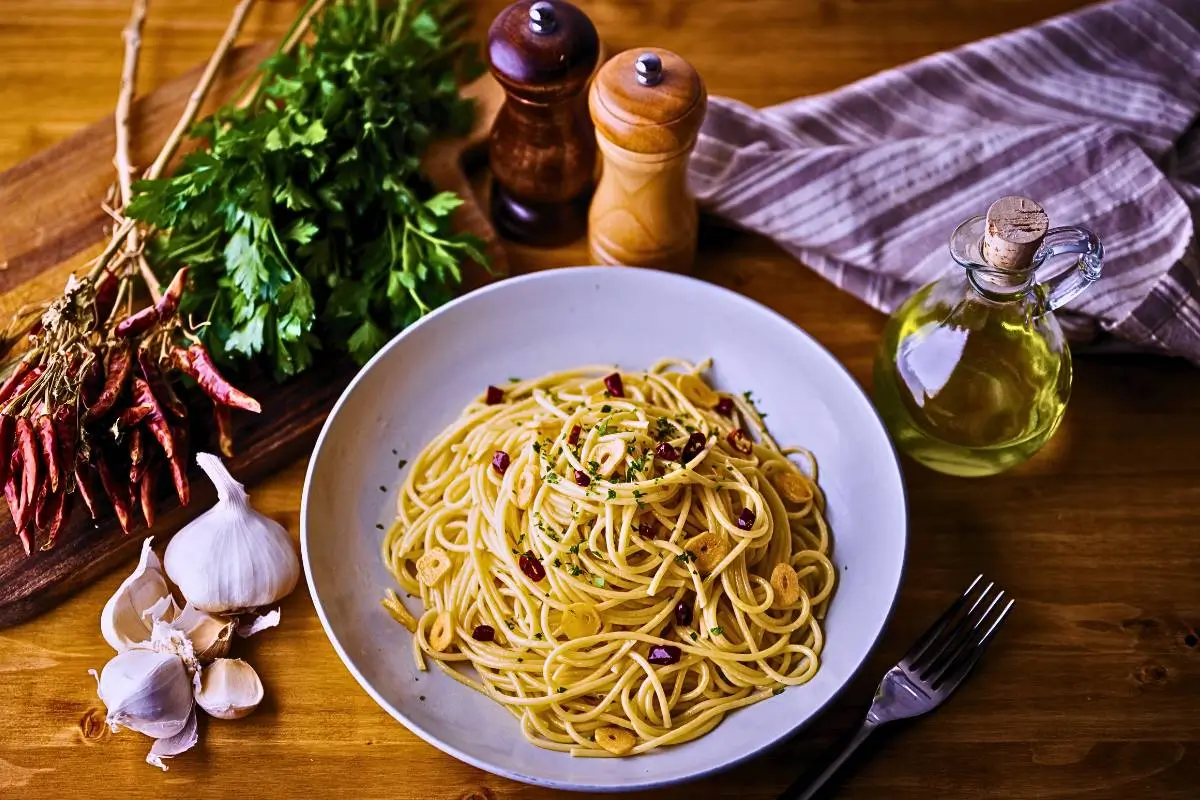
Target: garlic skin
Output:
{"points": [[231, 558], [210, 635], [171, 746], [146, 691], [128, 616], [229, 689]]}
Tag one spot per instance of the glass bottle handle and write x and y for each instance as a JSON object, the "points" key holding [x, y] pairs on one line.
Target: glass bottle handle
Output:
{"points": [[1066, 286]]}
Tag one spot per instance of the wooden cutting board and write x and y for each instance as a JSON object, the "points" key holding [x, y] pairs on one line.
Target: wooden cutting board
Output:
{"points": [[51, 221]]}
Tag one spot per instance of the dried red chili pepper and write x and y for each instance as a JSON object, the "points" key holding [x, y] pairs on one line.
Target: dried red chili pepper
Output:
{"points": [[7, 389], [119, 362], [224, 422], [117, 491], [694, 447], [93, 380], [15, 506], [159, 386], [65, 432], [55, 512], [573, 436], [155, 421], [740, 442], [614, 385], [178, 464], [49, 448], [85, 482], [137, 456], [725, 406], [664, 655], [136, 323], [28, 461], [8, 425], [106, 297], [169, 302], [133, 415], [22, 387], [146, 494], [43, 507], [196, 362]]}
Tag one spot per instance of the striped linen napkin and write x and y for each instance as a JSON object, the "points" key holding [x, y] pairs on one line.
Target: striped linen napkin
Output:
{"points": [[1095, 114]]}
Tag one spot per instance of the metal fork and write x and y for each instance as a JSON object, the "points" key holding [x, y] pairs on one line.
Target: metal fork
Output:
{"points": [[935, 666]]}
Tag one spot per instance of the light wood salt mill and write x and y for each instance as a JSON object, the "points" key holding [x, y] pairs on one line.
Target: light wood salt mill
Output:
{"points": [[647, 106]]}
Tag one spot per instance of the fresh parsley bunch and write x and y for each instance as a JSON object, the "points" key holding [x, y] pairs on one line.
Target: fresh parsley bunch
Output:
{"points": [[304, 215]]}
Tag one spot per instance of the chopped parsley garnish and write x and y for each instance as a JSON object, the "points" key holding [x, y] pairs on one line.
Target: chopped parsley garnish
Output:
{"points": [[778, 690], [717, 631], [537, 447], [685, 556], [550, 477], [514, 380], [573, 549], [558, 563], [539, 636], [602, 428], [561, 690], [379, 525], [598, 581], [693, 636], [576, 571], [605, 409], [511, 625], [403, 463], [637, 495], [612, 494], [662, 428]]}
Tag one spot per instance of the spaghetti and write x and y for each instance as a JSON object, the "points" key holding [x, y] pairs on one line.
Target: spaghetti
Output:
{"points": [[622, 558]]}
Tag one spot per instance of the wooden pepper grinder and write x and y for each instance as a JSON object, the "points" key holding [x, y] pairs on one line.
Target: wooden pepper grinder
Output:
{"points": [[542, 148], [647, 106]]}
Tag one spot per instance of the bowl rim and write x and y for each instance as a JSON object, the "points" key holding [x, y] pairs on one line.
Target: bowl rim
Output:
{"points": [[637, 785]]}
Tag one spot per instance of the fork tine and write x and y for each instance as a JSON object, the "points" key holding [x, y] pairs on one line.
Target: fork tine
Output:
{"points": [[952, 636], [963, 641], [959, 669], [935, 630]]}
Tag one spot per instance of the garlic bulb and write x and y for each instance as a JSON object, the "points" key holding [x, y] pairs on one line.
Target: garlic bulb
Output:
{"points": [[146, 691], [231, 558], [229, 689], [129, 614], [209, 634]]}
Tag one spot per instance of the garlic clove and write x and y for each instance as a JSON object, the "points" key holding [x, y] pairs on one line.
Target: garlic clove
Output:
{"points": [[259, 624], [210, 635], [124, 621], [231, 558], [171, 746], [229, 689], [146, 691]]}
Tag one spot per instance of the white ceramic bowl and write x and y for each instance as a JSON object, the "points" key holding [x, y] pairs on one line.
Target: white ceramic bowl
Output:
{"points": [[549, 321]]}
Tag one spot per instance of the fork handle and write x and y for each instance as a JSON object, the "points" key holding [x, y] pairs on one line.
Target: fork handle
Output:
{"points": [[798, 791]]}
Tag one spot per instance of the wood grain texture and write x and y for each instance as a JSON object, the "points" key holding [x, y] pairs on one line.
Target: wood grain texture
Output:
{"points": [[1091, 692], [641, 213]]}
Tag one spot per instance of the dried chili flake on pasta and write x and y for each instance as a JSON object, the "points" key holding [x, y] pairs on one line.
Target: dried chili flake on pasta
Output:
{"points": [[725, 406], [694, 447], [483, 633], [495, 395], [666, 452], [530, 565], [500, 462], [573, 436], [614, 385], [582, 478], [745, 520]]}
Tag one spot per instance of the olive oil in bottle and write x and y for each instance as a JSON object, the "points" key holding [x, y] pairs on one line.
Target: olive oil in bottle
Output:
{"points": [[973, 373]]}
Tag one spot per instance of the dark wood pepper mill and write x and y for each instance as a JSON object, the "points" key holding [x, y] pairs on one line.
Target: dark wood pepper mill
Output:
{"points": [[647, 105], [542, 148]]}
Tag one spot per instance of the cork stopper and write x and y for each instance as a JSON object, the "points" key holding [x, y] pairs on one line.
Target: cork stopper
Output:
{"points": [[649, 101], [1014, 231]]}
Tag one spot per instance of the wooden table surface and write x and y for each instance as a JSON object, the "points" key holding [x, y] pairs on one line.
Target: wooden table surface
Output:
{"points": [[1093, 689]]}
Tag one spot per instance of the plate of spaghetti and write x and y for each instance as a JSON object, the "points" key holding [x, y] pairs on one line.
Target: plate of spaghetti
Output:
{"points": [[550, 530]]}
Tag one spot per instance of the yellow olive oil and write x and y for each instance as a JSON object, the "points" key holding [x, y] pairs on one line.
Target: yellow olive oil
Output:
{"points": [[971, 386]]}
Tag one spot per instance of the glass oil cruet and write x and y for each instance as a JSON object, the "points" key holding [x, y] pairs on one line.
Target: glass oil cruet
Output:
{"points": [[973, 373]]}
